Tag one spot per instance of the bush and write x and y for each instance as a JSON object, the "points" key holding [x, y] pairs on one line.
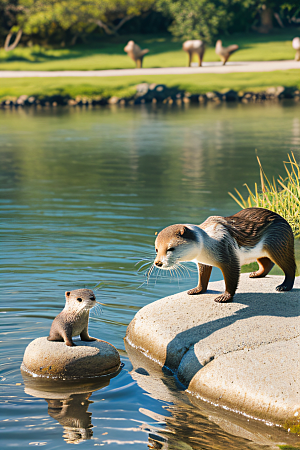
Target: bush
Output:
{"points": [[283, 198]]}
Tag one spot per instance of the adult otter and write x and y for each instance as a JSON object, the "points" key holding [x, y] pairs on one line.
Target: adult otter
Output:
{"points": [[74, 318], [228, 243]]}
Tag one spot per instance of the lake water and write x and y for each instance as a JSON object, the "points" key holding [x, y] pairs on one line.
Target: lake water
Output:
{"points": [[82, 194]]}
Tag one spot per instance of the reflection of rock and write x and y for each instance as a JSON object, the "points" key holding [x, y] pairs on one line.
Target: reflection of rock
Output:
{"points": [[191, 423], [68, 403], [56, 360], [296, 46], [194, 47], [225, 52], [135, 52], [242, 356]]}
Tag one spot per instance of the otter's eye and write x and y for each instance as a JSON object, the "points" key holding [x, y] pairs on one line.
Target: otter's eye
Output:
{"points": [[79, 299], [156, 250], [171, 249]]}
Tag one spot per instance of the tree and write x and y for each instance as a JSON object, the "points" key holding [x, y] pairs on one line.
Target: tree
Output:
{"points": [[49, 17], [8, 23], [197, 19], [207, 19]]}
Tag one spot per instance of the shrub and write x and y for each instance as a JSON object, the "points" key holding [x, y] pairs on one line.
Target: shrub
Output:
{"points": [[282, 197]]}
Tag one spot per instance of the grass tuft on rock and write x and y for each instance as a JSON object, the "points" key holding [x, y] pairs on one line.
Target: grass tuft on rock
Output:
{"points": [[282, 197]]}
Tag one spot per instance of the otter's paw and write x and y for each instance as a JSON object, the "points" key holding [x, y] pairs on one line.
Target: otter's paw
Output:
{"points": [[224, 298], [283, 287], [254, 275], [196, 291], [89, 339]]}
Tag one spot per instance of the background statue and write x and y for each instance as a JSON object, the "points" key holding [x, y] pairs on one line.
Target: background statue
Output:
{"points": [[296, 46], [225, 52], [194, 47], [136, 53]]}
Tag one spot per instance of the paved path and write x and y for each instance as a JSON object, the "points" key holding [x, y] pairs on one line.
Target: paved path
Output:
{"points": [[208, 67]]}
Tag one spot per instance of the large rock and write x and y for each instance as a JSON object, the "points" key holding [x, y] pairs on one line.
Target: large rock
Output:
{"points": [[56, 360], [242, 355]]}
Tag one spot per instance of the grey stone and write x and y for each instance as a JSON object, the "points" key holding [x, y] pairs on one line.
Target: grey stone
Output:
{"points": [[222, 423], [56, 360], [241, 355]]}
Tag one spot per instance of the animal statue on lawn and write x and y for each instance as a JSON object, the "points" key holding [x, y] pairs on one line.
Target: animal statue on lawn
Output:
{"points": [[194, 47], [225, 52], [135, 52]]}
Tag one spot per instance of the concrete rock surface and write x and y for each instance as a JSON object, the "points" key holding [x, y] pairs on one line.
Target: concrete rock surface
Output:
{"points": [[56, 360], [242, 355]]}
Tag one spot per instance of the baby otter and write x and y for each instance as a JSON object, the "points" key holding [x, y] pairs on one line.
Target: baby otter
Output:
{"points": [[74, 318], [228, 243]]}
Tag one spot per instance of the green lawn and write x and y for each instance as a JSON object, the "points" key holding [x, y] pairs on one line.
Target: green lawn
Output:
{"points": [[164, 52], [125, 86]]}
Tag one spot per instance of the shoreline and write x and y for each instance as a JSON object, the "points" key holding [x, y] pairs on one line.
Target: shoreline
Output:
{"points": [[155, 94]]}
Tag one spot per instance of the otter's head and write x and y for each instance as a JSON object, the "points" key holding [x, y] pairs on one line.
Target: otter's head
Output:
{"points": [[80, 299], [174, 244]]}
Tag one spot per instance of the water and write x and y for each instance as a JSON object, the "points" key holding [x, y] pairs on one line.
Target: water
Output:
{"points": [[82, 194]]}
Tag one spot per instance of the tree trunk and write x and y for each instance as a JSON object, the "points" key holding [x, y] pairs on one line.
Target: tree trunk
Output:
{"points": [[266, 18], [8, 47], [111, 29]]}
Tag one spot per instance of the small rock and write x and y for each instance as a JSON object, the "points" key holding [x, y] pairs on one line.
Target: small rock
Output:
{"points": [[142, 89], [113, 100], [271, 90], [210, 95], [230, 96], [53, 359]]}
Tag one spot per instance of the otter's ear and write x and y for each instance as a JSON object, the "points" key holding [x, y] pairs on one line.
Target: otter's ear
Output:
{"points": [[182, 230], [187, 233], [67, 294]]}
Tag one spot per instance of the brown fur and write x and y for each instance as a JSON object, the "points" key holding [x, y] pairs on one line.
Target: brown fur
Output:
{"points": [[73, 319], [225, 239]]}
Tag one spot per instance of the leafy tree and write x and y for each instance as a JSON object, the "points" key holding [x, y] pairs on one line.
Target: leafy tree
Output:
{"points": [[49, 17], [206, 19], [197, 19]]}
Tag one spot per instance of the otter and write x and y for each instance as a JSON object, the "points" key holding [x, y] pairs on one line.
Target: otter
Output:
{"points": [[73, 319], [228, 243]]}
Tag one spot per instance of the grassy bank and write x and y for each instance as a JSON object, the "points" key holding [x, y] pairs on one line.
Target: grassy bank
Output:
{"points": [[125, 86], [164, 52]]}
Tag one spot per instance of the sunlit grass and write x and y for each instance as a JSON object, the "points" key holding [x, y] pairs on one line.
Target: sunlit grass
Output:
{"points": [[281, 196], [164, 52], [126, 86]]}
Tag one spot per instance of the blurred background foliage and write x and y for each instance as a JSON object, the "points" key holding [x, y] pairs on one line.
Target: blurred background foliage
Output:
{"points": [[67, 22]]}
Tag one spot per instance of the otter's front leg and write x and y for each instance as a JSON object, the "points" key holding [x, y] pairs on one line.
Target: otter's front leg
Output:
{"points": [[203, 279], [84, 335], [231, 274]]}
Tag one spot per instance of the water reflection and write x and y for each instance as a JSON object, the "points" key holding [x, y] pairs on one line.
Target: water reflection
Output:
{"points": [[205, 427], [83, 192], [68, 403]]}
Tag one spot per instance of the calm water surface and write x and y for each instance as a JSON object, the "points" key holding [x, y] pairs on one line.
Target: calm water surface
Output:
{"points": [[82, 194]]}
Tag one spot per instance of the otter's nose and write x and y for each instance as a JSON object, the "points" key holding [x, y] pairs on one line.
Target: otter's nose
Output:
{"points": [[93, 298], [158, 263]]}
